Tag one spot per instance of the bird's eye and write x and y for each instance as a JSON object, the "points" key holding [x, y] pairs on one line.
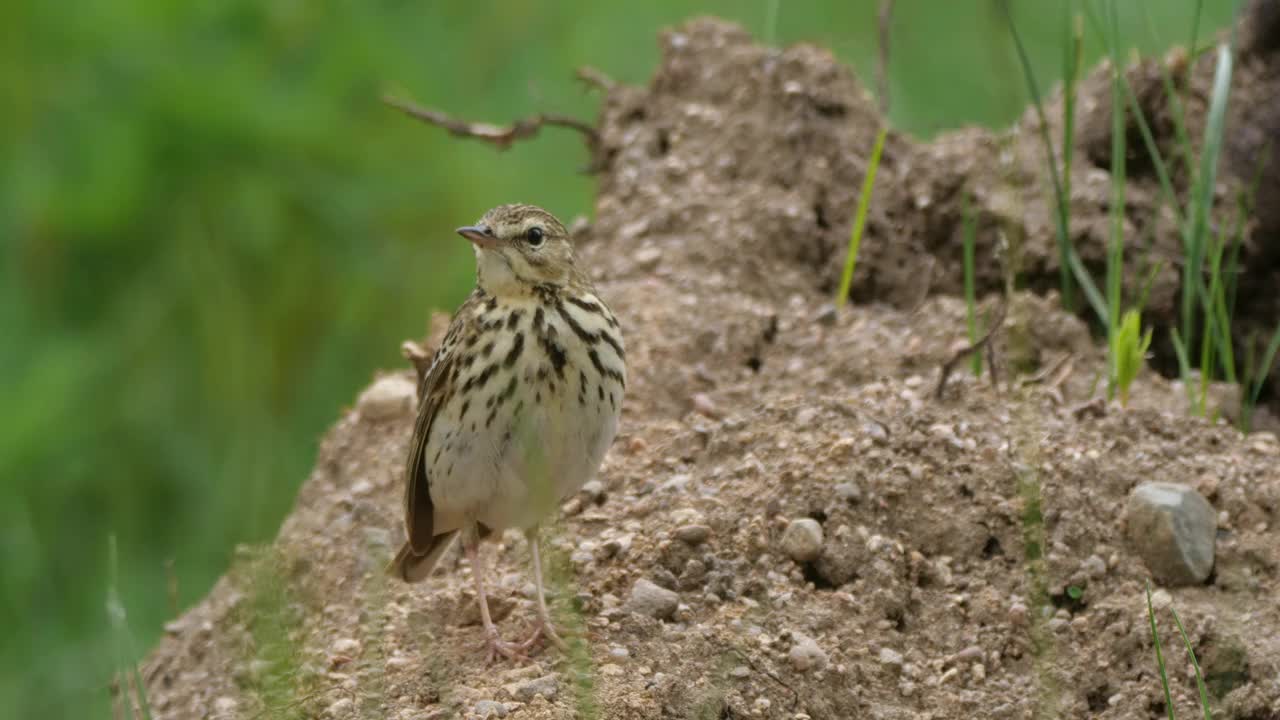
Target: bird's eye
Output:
{"points": [[534, 236]]}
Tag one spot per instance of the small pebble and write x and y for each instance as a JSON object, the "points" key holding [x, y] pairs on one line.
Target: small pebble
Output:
{"points": [[345, 646], [1094, 567], [652, 600], [1018, 614], [593, 490], [848, 492], [891, 659], [805, 653], [693, 534], [546, 686], [340, 707], [802, 540], [484, 709]]}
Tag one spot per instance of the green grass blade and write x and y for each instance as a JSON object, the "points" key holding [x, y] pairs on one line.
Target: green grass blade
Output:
{"points": [[1063, 216], [1184, 370], [126, 651], [1115, 249], [1264, 367], [860, 219], [1202, 195], [970, 292], [1155, 639], [1195, 36], [1204, 694]]}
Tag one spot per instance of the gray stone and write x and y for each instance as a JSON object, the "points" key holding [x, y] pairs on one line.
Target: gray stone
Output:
{"points": [[891, 659], [848, 492], [489, 709], [802, 540], [693, 534], [1173, 529], [840, 560], [546, 686], [389, 396], [805, 653], [652, 600]]}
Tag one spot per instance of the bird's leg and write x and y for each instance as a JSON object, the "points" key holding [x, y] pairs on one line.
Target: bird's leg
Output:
{"points": [[545, 627], [495, 644]]}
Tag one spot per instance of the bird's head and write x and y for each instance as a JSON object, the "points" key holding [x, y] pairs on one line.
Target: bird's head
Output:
{"points": [[519, 246]]}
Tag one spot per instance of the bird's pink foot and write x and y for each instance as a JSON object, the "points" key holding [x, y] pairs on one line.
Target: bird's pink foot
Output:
{"points": [[496, 647]]}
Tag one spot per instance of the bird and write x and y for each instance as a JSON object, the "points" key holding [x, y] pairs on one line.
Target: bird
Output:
{"points": [[517, 408]]}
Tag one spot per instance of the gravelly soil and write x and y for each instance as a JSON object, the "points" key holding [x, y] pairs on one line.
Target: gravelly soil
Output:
{"points": [[724, 199]]}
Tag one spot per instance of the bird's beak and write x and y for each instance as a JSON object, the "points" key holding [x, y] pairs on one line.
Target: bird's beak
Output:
{"points": [[480, 235]]}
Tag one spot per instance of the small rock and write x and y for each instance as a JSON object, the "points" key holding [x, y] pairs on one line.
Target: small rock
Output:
{"points": [[826, 315], [612, 670], [693, 534], [652, 600], [593, 490], [705, 406], [389, 396], [647, 258], [1173, 529], [617, 652], [1018, 614], [225, 706], [340, 707], [848, 492], [740, 672], [805, 653], [802, 540], [1094, 567], [484, 709], [546, 686], [345, 646], [891, 659]]}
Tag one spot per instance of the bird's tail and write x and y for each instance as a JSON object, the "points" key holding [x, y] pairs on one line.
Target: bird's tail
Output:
{"points": [[412, 566]]}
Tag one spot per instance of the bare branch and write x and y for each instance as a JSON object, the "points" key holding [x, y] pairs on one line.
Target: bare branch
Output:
{"points": [[950, 365], [497, 135], [596, 79]]}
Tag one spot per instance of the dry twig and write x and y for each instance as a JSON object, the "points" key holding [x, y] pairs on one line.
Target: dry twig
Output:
{"points": [[497, 135], [950, 365], [594, 78]]}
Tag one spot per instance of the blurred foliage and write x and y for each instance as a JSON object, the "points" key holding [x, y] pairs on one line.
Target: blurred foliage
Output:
{"points": [[213, 233]]}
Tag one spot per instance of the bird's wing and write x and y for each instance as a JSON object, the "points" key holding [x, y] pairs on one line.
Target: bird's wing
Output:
{"points": [[437, 385]]}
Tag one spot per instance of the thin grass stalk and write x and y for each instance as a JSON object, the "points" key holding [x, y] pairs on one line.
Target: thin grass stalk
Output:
{"points": [[1204, 693], [1070, 77], [970, 291], [1067, 256], [1218, 306], [1259, 377], [1184, 371], [1177, 112], [125, 651], [1160, 666], [860, 219], [1115, 252]]}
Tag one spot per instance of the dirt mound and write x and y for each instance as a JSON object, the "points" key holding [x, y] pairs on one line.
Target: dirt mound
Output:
{"points": [[972, 559]]}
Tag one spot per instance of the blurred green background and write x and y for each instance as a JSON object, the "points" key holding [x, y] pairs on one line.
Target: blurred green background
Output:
{"points": [[213, 233]]}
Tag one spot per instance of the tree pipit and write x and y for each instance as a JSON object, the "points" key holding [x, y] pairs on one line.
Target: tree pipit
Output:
{"points": [[518, 407]]}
